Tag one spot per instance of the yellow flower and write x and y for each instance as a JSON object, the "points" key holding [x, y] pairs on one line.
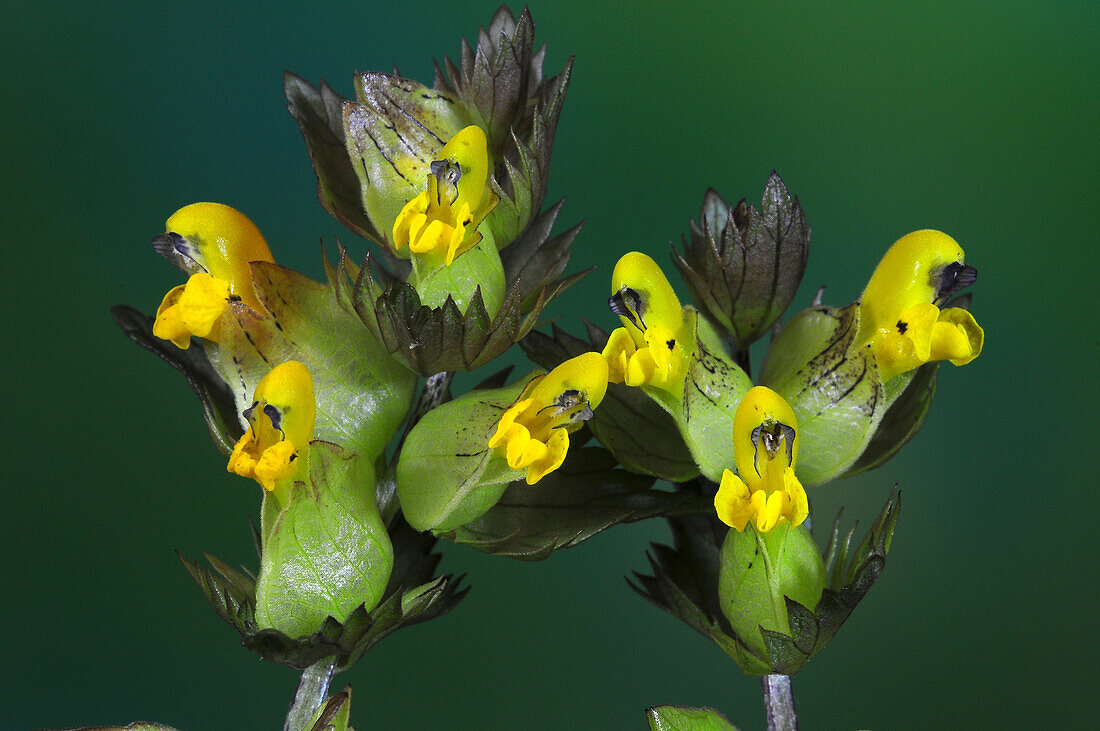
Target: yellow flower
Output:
{"points": [[275, 449], [765, 451], [900, 315], [534, 432], [444, 218], [217, 244], [653, 346]]}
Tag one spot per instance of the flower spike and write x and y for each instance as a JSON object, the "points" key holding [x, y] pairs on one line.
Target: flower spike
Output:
{"points": [[534, 432], [216, 245], [653, 346], [275, 449], [900, 315], [765, 450], [445, 217]]}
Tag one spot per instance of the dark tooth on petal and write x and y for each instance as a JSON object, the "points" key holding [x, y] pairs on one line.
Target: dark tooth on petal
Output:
{"points": [[628, 303], [178, 250], [275, 415], [952, 279]]}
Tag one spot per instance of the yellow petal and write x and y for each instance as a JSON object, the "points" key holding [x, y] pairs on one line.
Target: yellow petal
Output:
{"points": [[758, 502], [168, 324], [957, 337], [759, 406], [640, 273], [506, 422], [469, 148], [620, 347], [202, 303], [731, 502], [275, 448], [586, 373], [798, 505], [274, 464], [410, 220], [556, 450], [641, 369]]}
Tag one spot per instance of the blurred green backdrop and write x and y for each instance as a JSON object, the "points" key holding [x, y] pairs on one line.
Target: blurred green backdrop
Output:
{"points": [[977, 119]]}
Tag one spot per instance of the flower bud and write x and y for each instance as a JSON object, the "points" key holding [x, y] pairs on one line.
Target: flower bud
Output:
{"points": [[743, 266]]}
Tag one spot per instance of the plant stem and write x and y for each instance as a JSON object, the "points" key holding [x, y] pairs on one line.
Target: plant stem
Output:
{"points": [[312, 689], [779, 703]]}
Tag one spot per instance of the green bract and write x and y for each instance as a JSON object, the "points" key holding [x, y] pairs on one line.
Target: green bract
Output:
{"points": [[362, 393], [681, 718], [718, 582], [477, 270], [583, 497], [713, 388], [393, 131]]}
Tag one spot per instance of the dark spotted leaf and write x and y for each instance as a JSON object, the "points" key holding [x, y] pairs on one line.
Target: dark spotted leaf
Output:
{"points": [[583, 497], [743, 265], [833, 386]]}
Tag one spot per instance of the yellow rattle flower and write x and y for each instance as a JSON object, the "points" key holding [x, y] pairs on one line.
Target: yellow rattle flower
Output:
{"points": [[216, 243], [765, 451], [653, 345], [444, 218], [900, 315], [534, 432], [275, 449]]}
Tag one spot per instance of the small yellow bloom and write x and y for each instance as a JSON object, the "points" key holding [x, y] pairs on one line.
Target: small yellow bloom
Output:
{"points": [[900, 315], [444, 218], [653, 346], [534, 432], [217, 244], [275, 449], [765, 451]]}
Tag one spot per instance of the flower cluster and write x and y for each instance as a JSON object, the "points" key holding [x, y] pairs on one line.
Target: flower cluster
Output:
{"points": [[310, 387]]}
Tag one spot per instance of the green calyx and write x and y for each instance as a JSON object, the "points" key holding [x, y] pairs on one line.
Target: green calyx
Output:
{"points": [[447, 475], [414, 594], [773, 615], [759, 573], [326, 551]]}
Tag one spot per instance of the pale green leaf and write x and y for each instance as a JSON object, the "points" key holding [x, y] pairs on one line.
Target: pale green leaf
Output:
{"points": [[684, 718]]}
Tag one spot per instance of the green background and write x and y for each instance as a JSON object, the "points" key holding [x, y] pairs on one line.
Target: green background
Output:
{"points": [[882, 117]]}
